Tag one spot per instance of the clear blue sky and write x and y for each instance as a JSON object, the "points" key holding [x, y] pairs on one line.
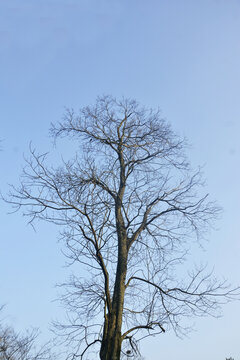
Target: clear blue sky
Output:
{"points": [[183, 56]]}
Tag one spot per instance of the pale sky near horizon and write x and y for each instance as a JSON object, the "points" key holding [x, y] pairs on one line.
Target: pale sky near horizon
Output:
{"points": [[180, 55]]}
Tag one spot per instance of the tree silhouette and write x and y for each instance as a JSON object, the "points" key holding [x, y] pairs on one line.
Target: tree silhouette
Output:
{"points": [[127, 205]]}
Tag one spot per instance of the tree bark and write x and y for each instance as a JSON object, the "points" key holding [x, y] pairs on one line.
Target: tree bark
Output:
{"points": [[112, 337]]}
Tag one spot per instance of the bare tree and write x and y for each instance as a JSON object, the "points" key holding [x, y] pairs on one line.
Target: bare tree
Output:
{"points": [[127, 204], [15, 346]]}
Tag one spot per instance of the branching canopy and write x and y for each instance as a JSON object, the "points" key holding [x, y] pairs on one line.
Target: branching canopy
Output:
{"points": [[127, 203]]}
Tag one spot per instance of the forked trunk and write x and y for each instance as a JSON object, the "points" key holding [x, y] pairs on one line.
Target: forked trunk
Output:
{"points": [[112, 339]]}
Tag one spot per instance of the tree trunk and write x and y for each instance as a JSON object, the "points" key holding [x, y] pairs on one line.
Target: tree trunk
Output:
{"points": [[111, 343], [112, 336], [112, 340]]}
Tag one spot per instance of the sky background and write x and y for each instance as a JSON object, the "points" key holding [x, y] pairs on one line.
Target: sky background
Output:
{"points": [[182, 56]]}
